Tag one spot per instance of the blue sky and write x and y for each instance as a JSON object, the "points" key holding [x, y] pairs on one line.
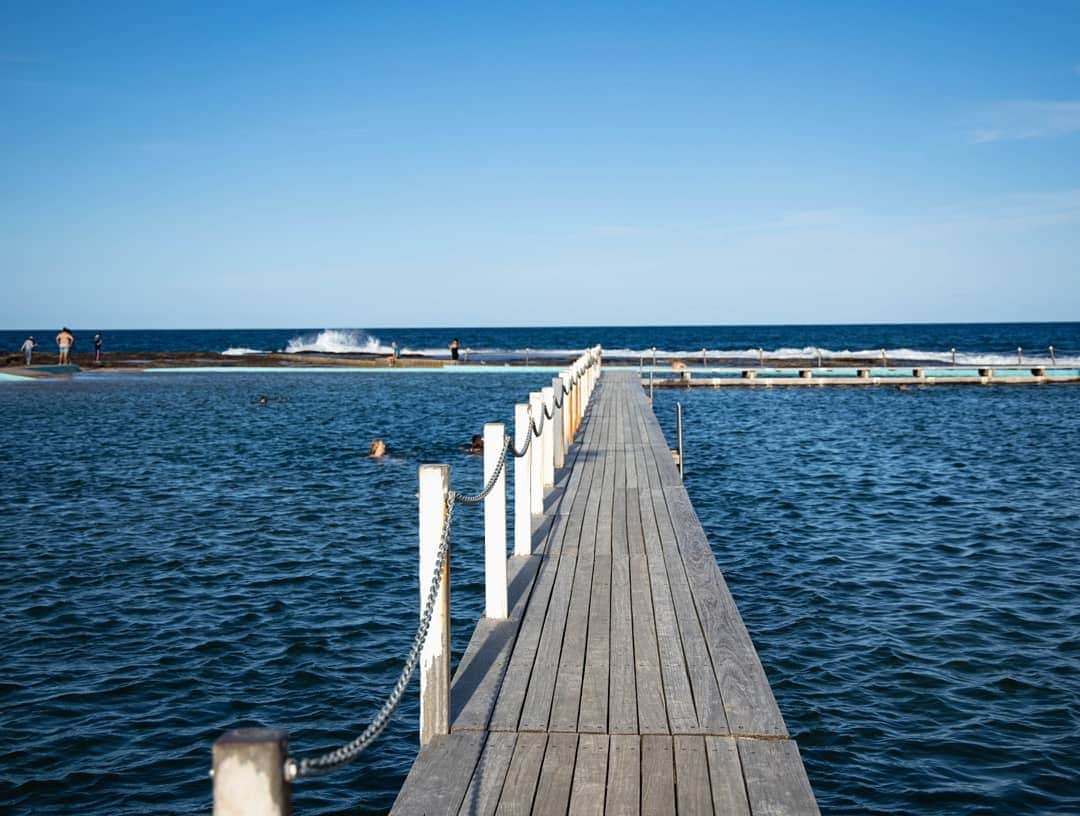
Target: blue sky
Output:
{"points": [[447, 164]]}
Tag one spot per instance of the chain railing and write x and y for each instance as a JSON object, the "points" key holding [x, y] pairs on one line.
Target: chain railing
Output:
{"points": [[552, 417]]}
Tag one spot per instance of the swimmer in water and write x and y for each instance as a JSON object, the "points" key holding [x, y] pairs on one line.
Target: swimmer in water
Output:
{"points": [[378, 449], [477, 445]]}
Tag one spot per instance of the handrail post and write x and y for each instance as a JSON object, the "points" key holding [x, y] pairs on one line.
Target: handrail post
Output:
{"points": [[548, 396], [248, 772], [558, 453], [679, 437], [575, 401], [494, 524], [522, 487], [565, 379], [536, 469], [435, 655]]}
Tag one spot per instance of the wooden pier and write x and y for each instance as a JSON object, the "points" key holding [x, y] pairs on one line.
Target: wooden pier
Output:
{"points": [[623, 680]]}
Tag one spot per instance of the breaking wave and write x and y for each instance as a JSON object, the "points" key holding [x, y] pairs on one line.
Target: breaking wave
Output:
{"points": [[337, 341]]}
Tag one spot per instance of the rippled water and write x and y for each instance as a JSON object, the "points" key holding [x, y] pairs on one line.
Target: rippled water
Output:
{"points": [[181, 560], [907, 564]]}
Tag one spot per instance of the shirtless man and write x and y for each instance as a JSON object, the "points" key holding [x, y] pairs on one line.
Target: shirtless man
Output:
{"points": [[65, 340]]}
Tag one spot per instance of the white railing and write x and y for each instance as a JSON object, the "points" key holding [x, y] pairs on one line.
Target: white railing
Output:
{"points": [[252, 772]]}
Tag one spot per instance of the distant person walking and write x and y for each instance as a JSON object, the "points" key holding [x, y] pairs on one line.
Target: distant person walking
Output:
{"points": [[64, 341], [454, 346], [97, 348], [394, 352], [27, 348]]}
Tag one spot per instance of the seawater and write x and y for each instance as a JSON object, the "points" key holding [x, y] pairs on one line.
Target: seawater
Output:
{"points": [[906, 563], [975, 343], [181, 560]]}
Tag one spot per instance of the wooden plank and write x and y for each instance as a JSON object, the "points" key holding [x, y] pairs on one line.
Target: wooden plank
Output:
{"points": [[748, 701], [693, 792], [536, 710], [624, 776], [682, 718], [519, 788], [515, 683], [593, 713], [622, 705], [707, 700], [482, 797], [651, 704], [556, 776], [776, 782], [590, 776], [725, 774], [440, 775], [480, 672], [657, 776]]}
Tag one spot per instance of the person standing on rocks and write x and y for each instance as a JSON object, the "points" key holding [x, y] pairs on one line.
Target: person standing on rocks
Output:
{"points": [[454, 346], [97, 348], [27, 348], [64, 341]]}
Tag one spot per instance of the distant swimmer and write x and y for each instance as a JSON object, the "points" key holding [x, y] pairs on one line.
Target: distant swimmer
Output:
{"points": [[263, 399], [477, 445], [455, 346], [378, 449], [64, 341], [27, 348]]}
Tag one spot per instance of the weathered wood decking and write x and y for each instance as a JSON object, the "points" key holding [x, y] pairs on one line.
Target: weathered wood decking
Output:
{"points": [[624, 681]]}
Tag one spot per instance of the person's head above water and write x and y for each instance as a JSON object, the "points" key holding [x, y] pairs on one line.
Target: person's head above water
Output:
{"points": [[378, 448]]}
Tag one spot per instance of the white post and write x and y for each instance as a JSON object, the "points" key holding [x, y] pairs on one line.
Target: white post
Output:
{"points": [[567, 416], [435, 656], [248, 772], [575, 399], [522, 488], [494, 524], [536, 470], [558, 456], [548, 396]]}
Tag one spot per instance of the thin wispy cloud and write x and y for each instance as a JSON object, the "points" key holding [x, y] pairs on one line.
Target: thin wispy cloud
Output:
{"points": [[1028, 119]]}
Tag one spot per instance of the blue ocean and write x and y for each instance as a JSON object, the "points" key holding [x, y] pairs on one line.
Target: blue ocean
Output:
{"points": [[181, 560]]}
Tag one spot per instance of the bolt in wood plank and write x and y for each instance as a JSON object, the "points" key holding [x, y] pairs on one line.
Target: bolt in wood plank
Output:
{"points": [[482, 797], [725, 774], [776, 782], [692, 787], [657, 776], [590, 776], [519, 788]]}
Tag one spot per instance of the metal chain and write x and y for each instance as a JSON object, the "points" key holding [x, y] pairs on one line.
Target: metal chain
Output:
{"points": [[347, 753], [479, 497], [296, 769], [518, 454]]}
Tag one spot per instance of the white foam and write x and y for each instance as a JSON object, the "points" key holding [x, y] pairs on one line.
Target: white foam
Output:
{"points": [[338, 341], [240, 351]]}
